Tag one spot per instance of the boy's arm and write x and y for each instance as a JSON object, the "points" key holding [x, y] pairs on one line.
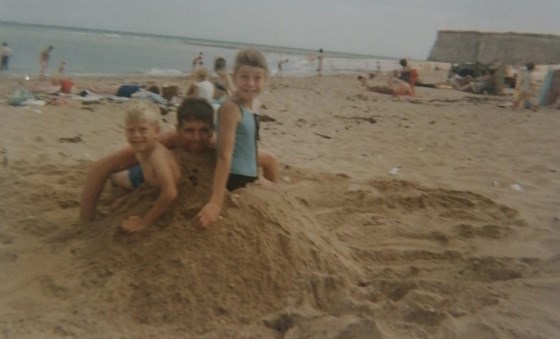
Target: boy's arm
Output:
{"points": [[168, 189], [98, 174], [229, 117]]}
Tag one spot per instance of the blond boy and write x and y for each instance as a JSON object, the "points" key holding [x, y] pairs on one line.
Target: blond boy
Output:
{"points": [[159, 167]]}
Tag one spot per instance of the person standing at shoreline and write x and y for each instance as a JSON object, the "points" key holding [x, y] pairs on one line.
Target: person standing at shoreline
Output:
{"points": [[280, 64], [44, 60], [320, 63], [198, 61], [6, 54]]}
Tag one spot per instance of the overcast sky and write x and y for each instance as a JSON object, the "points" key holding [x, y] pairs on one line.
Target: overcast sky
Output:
{"points": [[398, 28]]}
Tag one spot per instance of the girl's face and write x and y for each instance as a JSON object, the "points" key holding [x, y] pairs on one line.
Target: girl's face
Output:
{"points": [[249, 82]]}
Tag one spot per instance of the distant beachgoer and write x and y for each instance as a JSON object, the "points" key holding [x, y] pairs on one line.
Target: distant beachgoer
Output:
{"points": [[58, 79], [59, 74], [394, 85], [6, 54], [525, 88], [484, 84], [223, 83], [320, 63], [202, 88], [378, 67], [44, 60], [407, 74], [280, 64], [198, 61]]}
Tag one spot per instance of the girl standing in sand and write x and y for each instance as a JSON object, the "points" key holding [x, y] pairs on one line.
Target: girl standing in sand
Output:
{"points": [[237, 133]]}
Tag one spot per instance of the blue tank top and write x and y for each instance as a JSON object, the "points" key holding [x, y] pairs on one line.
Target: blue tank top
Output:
{"points": [[244, 159]]}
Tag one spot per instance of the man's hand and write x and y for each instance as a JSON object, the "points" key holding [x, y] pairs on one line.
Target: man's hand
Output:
{"points": [[133, 224], [208, 214]]}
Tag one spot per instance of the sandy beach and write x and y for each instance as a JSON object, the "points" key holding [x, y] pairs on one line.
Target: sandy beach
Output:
{"points": [[436, 216]]}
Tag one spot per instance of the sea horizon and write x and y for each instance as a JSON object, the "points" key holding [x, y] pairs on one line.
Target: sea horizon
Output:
{"points": [[207, 42]]}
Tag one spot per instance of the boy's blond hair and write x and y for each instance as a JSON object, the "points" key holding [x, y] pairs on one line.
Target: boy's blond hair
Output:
{"points": [[250, 57], [142, 110]]}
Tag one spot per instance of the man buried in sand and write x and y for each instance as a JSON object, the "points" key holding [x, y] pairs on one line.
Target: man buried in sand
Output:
{"points": [[157, 163], [195, 119]]}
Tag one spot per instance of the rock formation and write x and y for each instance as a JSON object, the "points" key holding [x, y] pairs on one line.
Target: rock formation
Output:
{"points": [[510, 48]]}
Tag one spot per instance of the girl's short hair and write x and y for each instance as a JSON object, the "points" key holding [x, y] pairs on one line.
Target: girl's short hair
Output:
{"points": [[138, 110], [250, 57]]}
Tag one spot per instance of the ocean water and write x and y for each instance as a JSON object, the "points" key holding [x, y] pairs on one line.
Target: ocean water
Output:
{"points": [[95, 52]]}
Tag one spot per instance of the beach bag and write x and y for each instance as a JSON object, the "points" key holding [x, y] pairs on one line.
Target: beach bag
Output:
{"points": [[19, 97]]}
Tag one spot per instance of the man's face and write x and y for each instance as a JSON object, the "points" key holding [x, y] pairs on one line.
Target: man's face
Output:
{"points": [[195, 135]]}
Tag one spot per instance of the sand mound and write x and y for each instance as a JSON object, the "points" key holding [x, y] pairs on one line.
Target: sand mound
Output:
{"points": [[267, 253]]}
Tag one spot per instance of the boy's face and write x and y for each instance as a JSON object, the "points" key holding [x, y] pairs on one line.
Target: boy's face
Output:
{"points": [[249, 81], [141, 134], [195, 135]]}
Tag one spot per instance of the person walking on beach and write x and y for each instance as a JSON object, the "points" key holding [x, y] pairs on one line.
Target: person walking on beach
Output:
{"points": [[6, 54], [44, 60], [320, 63]]}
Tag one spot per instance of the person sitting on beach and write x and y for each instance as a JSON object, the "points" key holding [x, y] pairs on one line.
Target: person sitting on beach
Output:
{"points": [[484, 84], [44, 61], [394, 85], [407, 74], [202, 88], [223, 84], [238, 155], [195, 126], [58, 79], [157, 164], [525, 88]]}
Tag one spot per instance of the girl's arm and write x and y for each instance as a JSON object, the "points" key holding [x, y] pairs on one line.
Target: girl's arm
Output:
{"points": [[229, 118]]}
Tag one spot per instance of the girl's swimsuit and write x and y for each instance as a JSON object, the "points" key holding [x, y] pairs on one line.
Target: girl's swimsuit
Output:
{"points": [[244, 167]]}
